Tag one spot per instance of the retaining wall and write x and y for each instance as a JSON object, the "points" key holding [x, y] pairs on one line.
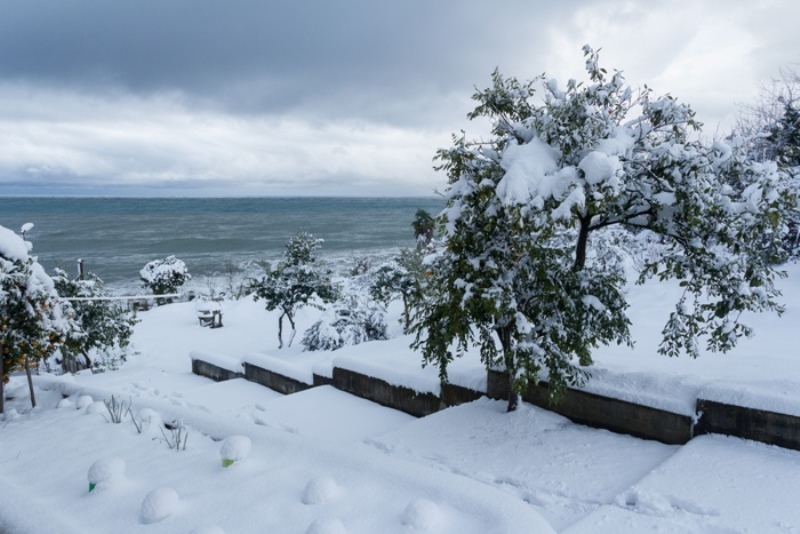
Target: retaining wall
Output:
{"points": [[582, 407]]}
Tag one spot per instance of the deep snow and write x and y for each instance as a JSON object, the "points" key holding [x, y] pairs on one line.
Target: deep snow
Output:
{"points": [[322, 461]]}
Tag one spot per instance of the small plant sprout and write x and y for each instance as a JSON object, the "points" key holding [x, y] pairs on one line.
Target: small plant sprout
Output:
{"points": [[104, 471], [117, 409], [234, 449]]}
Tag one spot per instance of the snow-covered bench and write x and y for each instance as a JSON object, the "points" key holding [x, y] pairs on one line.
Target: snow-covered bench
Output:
{"points": [[209, 313]]}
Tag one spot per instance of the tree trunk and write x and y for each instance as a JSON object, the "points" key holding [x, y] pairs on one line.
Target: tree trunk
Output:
{"points": [[280, 331], [504, 333], [30, 382], [583, 240], [88, 360], [294, 329]]}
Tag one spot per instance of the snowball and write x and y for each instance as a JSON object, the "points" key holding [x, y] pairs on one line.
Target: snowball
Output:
{"points": [[104, 472], [326, 526], [207, 529], [159, 504], [235, 449], [422, 514], [320, 490], [10, 414], [84, 401], [64, 403]]}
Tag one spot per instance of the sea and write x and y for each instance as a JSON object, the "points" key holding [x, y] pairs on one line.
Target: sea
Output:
{"points": [[217, 238]]}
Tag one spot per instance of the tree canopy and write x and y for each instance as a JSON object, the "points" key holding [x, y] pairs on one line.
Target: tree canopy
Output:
{"points": [[528, 270]]}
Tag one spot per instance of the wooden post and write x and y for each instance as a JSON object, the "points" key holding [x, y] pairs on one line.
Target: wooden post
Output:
{"points": [[80, 269]]}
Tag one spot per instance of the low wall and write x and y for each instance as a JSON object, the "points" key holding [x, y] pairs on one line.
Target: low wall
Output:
{"points": [[579, 406], [214, 372], [748, 423], [273, 380], [602, 412], [398, 397]]}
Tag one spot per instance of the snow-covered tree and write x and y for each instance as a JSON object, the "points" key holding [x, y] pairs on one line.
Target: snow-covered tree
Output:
{"points": [[399, 278], [34, 321], [296, 281], [164, 277], [527, 271], [105, 324]]}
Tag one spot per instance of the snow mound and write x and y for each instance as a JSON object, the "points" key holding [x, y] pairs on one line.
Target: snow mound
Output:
{"points": [[149, 418], [158, 504], [10, 414], [234, 449], [104, 473], [320, 490], [64, 403], [83, 401], [422, 514], [96, 407], [326, 526], [207, 529]]}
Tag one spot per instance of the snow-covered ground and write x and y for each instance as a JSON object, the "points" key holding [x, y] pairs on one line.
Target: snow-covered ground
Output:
{"points": [[322, 461]]}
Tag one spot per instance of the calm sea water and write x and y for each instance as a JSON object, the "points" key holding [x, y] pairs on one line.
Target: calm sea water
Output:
{"points": [[116, 237]]}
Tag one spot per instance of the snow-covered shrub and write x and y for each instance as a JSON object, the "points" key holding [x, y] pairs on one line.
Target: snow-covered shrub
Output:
{"points": [[106, 325], [349, 322], [105, 472], [164, 277], [234, 449], [34, 321]]}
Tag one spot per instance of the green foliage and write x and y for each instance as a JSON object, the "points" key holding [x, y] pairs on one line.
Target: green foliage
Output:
{"points": [[424, 225], [296, 281], [400, 278], [33, 320], [106, 325], [531, 269]]}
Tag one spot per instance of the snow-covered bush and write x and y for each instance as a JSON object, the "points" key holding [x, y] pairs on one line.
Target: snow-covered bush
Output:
{"points": [[295, 282], [529, 209], [348, 322], [105, 472], [106, 325], [34, 321], [164, 277], [234, 449]]}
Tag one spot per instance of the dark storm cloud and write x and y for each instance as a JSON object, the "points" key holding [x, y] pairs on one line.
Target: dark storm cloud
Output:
{"points": [[322, 56]]}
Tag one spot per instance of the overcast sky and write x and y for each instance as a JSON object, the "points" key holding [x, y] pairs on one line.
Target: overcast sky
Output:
{"points": [[325, 97]]}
